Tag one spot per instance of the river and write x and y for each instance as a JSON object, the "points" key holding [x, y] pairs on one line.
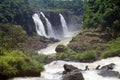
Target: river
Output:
{"points": [[53, 70]]}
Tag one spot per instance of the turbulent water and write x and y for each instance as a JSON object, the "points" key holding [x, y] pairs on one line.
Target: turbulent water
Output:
{"points": [[55, 68], [51, 47], [49, 26], [53, 71]]}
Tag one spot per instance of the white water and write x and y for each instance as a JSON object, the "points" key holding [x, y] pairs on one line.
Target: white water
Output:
{"points": [[49, 26], [54, 69], [39, 25], [51, 47], [64, 25]]}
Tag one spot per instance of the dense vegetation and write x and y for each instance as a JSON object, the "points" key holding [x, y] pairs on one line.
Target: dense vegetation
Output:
{"points": [[16, 63], [12, 36], [74, 6], [104, 14], [13, 58]]}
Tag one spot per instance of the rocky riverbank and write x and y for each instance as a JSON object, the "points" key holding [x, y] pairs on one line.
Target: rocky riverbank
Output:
{"points": [[89, 46], [73, 73], [39, 43]]}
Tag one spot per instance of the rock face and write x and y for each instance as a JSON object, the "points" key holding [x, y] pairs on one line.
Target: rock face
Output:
{"points": [[39, 43], [72, 73], [26, 21]]}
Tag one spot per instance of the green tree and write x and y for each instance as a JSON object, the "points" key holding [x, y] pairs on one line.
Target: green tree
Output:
{"points": [[12, 36], [102, 13]]}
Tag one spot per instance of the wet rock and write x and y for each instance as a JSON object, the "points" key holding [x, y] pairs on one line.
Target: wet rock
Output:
{"points": [[69, 68], [110, 74], [86, 68], [60, 48], [107, 71], [74, 75], [108, 67]]}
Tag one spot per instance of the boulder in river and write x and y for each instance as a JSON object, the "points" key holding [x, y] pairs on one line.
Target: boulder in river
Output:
{"points": [[72, 73], [108, 67], [110, 74], [60, 48], [69, 68], [107, 71], [73, 76]]}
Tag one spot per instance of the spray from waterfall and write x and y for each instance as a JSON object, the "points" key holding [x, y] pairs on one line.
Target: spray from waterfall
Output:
{"points": [[64, 25], [49, 26], [39, 25]]}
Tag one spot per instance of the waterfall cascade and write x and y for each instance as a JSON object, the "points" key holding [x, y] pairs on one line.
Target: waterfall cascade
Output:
{"points": [[51, 33], [64, 25], [49, 26], [39, 25]]}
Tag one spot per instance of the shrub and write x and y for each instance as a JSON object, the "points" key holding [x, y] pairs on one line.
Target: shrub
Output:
{"points": [[113, 49], [6, 69], [2, 51], [67, 54], [41, 58], [88, 55], [111, 53], [76, 38], [32, 66], [16, 62]]}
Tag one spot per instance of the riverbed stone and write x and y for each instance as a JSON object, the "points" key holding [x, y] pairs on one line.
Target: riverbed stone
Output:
{"points": [[60, 48], [68, 68], [72, 73], [110, 74], [73, 76], [108, 67], [107, 71]]}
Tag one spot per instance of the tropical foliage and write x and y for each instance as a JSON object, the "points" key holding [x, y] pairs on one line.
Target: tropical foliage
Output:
{"points": [[104, 14], [16, 62]]}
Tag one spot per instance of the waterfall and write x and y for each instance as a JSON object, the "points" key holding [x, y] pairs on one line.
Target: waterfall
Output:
{"points": [[57, 33], [64, 25], [49, 26], [39, 25]]}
